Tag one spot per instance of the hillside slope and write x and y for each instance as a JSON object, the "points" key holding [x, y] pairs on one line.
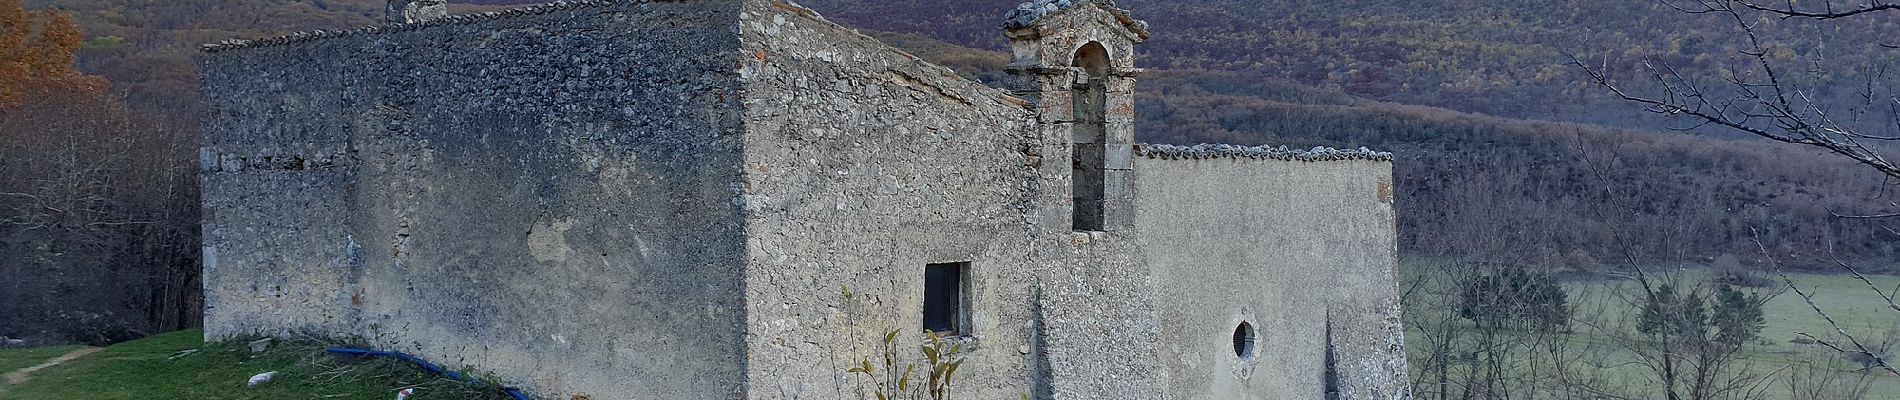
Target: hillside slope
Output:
{"points": [[1506, 58], [1509, 59]]}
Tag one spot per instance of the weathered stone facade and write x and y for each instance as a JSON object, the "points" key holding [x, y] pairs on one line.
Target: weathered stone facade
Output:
{"points": [[635, 199]]}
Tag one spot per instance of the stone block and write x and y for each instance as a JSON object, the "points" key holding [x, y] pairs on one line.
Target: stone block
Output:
{"points": [[1090, 156], [1056, 106], [1117, 214], [1087, 133], [1056, 133], [1118, 157], [1120, 107], [1121, 85], [1118, 184], [1120, 132]]}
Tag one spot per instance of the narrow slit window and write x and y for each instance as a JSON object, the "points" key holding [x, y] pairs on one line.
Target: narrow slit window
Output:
{"points": [[946, 298]]}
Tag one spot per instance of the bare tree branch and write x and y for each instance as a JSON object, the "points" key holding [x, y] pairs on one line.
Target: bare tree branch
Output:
{"points": [[1884, 295], [1872, 216], [1766, 106], [1827, 12]]}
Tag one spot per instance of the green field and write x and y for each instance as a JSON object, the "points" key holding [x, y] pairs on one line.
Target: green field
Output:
{"points": [[1599, 304], [181, 366]]}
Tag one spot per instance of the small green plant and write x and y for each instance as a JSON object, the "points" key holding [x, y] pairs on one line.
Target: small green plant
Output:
{"points": [[941, 359]]}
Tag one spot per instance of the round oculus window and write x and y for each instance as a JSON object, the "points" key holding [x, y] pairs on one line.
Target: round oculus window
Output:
{"points": [[1244, 338]]}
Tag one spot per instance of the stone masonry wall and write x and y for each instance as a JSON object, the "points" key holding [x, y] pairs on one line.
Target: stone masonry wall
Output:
{"points": [[549, 194], [864, 164], [1292, 242]]}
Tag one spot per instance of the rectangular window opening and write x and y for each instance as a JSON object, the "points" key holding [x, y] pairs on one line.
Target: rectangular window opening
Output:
{"points": [[946, 299]]}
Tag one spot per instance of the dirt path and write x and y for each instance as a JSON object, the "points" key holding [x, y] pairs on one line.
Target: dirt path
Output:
{"points": [[20, 376]]}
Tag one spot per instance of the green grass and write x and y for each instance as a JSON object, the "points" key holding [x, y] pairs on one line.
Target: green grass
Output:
{"points": [[159, 368], [1848, 300], [13, 359]]}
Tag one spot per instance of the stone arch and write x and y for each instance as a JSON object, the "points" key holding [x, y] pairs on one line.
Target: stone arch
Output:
{"points": [[1089, 135]]}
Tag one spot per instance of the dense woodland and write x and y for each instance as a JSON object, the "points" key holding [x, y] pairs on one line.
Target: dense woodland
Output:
{"points": [[1504, 58], [1540, 192], [98, 227]]}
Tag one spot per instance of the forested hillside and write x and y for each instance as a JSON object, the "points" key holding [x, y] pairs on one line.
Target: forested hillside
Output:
{"points": [[1505, 58], [1398, 76], [1509, 59], [1548, 193]]}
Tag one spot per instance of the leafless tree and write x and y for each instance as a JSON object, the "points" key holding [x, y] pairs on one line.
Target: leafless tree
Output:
{"points": [[1820, 375], [98, 221], [1477, 344], [1768, 97]]}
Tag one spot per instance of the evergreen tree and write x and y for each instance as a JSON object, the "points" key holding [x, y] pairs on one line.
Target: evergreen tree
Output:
{"points": [[1516, 297]]}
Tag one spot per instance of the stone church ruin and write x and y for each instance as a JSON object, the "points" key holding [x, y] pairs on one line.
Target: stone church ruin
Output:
{"points": [[648, 199]]}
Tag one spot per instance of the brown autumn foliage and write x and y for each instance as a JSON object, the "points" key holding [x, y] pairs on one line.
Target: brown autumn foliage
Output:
{"points": [[36, 54]]}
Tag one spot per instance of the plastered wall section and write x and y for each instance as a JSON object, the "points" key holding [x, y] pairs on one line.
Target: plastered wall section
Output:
{"points": [[865, 164], [552, 196], [1302, 251]]}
